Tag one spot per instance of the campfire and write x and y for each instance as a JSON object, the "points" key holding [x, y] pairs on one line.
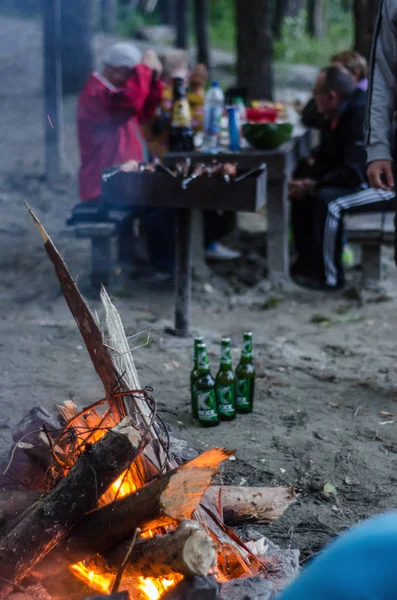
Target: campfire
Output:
{"points": [[115, 507]]}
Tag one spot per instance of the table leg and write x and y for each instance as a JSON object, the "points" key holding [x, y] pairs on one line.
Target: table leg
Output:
{"points": [[278, 231], [183, 267]]}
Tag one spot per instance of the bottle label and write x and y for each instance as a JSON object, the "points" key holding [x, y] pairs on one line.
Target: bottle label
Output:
{"points": [[202, 360], [207, 405], [243, 396], [247, 349], [181, 114], [226, 400], [213, 120], [226, 357]]}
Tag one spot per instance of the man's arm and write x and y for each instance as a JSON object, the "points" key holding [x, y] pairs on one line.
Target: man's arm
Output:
{"points": [[133, 96], [382, 96], [153, 100]]}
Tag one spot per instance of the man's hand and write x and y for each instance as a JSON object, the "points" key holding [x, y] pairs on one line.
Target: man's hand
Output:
{"points": [[298, 189], [380, 174], [151, 60]]}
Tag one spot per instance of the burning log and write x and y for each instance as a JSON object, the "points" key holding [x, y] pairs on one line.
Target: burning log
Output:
{"points": [[171, 497], [50, 519], [250, 505], [239, 504], [188, 551]]}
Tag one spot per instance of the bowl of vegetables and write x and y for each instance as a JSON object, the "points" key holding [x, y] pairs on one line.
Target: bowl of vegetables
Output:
{"points": [[267, 136]]}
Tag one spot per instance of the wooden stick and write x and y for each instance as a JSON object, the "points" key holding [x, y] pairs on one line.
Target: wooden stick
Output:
{"points": [[77, 493], [86, 323], [188, 551], [120, 572]]}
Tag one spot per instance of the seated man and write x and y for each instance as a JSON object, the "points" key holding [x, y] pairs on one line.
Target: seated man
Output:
{"points": [[321, 197], [357, 66], [109, 112]]}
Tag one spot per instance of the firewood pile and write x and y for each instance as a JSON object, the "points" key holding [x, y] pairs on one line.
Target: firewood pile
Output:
{"points": [[100, 499]]}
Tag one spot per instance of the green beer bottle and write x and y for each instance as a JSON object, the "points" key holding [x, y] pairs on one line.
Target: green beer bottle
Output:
{"points": [[206, 400], [225, 384], [194, 376], [245, 378]]}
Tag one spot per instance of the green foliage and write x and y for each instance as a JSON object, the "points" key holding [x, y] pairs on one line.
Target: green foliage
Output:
{"points": [[130, 21], [297, 47], [294, 47], [223, 24]]}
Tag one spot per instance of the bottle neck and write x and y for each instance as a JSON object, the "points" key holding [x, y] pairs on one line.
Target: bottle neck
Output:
{"points": [[226, 365], [246, 359]]}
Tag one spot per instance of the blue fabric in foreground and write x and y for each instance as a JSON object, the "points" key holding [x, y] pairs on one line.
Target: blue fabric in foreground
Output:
{"points": [[360, 565]]}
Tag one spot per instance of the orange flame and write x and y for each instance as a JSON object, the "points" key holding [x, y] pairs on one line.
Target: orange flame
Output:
{"points": [[155, 588], [123, 486], [92, 576]]}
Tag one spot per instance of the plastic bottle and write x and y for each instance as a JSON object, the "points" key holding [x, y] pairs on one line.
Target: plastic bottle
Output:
{"points": [[239, 102], [213, 110]]}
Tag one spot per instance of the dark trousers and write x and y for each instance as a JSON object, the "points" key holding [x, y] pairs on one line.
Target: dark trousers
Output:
{"points": [[217, 225], [159, 225], [318, 227]]}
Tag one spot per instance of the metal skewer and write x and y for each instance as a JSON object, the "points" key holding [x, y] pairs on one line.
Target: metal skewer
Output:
{"points": [[251, 172], [158, 163]]}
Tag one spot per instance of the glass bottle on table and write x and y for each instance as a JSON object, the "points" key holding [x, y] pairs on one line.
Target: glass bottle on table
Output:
{"points": [[206, 400], [225, 384], [245, 378], [181, 136]]}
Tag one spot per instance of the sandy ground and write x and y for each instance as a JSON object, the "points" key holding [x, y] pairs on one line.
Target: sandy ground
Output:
{"points": [[325, 364]]}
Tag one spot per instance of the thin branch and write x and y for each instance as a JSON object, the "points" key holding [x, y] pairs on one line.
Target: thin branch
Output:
{"points": [[123, 565]]}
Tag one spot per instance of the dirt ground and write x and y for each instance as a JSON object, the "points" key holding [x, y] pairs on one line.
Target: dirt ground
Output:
{"points": [[325, 410]]}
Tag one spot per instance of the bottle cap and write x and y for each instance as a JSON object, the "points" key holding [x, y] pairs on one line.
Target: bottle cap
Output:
{"points": [[226, 340], [215, 84]]}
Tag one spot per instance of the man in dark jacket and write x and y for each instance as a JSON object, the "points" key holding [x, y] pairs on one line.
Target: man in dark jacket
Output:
{"points": [[332, 185]]}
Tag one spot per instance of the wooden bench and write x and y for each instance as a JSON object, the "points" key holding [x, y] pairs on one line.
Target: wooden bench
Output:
{"points": [[370, 230]]}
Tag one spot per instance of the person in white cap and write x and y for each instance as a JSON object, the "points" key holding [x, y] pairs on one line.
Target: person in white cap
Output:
{"points": [[110, 109], [109, 112]]}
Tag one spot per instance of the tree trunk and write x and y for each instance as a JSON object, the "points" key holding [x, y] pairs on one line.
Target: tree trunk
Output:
{"points": [[280, 12], [315, 18], [201, 25], [188, 551], [109, 15], [254, 48], [77, 24], [49, 520], [167, 10], [182, 24], [364, 21]]}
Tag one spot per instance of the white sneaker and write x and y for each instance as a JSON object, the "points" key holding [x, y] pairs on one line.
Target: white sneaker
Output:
{"points": [[218, 251]]}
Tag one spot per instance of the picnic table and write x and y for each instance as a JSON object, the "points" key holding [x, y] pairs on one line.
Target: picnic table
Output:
{"points": [[249, 195], [280, 163]]}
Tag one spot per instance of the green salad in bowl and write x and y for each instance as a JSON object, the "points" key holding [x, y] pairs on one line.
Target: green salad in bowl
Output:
{"points": [[267, 136]]}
